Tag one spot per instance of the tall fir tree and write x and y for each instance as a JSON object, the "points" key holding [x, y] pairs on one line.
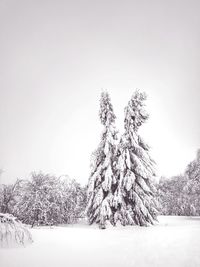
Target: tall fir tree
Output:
{"points": [[134, 199], [102, 181]]}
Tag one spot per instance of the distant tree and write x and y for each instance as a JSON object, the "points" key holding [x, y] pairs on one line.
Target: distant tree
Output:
{"points": [[102, 181], [134, 200], [180, 195], [172, 196], [8, 194], [39, 200], [192, 187], [73, 201]]}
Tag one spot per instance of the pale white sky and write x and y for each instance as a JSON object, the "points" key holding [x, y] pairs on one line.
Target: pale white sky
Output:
{"points": [[56, 56]]}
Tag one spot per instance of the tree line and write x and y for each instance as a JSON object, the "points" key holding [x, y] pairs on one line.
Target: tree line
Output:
{"points": [[180, 195]]}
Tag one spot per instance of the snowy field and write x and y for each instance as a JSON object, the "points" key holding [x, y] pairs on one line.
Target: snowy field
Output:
{"points": [[175, 242]]}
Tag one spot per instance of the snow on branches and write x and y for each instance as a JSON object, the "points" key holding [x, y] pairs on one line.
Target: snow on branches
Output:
{"points": [[121, 185], [102, 180], [48, 200], [135, 168], [13, 232]]}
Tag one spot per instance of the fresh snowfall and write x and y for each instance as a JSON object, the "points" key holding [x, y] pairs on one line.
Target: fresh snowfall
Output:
{"points": [[173, 242]]}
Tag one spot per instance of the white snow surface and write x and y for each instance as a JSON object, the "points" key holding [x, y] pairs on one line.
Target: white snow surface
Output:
{"points": [[174, 242]]}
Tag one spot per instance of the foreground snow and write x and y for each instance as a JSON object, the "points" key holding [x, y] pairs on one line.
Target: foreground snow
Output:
{"points": [[174, 242]]}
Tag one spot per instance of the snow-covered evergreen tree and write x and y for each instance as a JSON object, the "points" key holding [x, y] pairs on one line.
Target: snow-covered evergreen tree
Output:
{"points": [[134, 199], [102, 181]]}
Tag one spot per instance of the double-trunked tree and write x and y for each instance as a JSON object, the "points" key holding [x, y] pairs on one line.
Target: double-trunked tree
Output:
{"points": [[121, 185]]}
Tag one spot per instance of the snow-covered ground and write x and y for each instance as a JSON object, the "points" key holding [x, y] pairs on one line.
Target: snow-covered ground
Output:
{"points": [[174, 242]]}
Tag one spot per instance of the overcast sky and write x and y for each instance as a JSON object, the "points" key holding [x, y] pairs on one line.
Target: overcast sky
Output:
{"points": [[56, 56]]}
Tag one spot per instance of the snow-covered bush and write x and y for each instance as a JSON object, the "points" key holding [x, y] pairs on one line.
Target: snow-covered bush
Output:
{"points": [[48, 200], [13, 232], [73, 200], [38, 200], [8, 193]]}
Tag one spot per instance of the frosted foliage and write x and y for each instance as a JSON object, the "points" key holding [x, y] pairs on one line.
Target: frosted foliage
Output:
{"points": [[103, 177], [95, 159], [128, 161], [136, 202], [142, 143], [91, 184], [48, 200], [39, 199], [135, 114], [143, 185], [105, 209], [129, 180], [106, 148], [98, 198], [13, 232], [193, 169], [121, 163], [117, 198], [8, 196], [106, 114], [141, 167], [179, 195], [108, 181], [192, 187], [107, 162]]}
